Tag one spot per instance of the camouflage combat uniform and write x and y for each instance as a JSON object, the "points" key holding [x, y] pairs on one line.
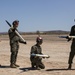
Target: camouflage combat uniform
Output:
{"points": [[72, 53], [36, 61], [14, 45]]}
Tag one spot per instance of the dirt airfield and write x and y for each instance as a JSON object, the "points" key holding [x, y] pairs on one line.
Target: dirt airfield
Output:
{"points": [[57, 48]]}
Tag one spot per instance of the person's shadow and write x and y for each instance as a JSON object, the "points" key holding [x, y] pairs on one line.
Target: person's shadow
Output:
{"points": [[4, 66], [59, 69], [27, 69], [33, 69]]}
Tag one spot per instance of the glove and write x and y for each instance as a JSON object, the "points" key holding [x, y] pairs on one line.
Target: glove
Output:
{"points": [[43, 57], [25, 42], [68, 39], [13, 29]]}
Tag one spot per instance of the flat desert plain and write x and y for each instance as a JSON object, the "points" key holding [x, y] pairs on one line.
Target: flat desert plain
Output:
{"points": [[57, 48]]}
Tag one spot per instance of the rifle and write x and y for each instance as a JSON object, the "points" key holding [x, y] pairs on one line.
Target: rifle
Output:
{"points": [[41, 55], [67, 37], [15, 31]]}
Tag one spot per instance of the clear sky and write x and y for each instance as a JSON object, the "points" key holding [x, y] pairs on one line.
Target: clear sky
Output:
{"points": [[42, 15]]}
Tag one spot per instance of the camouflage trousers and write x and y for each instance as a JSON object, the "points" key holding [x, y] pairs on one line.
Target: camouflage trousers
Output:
{"points": [[72, 54], [37, 63], [14, 52]]}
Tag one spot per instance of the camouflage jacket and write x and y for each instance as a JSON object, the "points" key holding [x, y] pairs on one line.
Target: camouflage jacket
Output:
{"points": [[14, 38], [36, 50], [72, 33]]}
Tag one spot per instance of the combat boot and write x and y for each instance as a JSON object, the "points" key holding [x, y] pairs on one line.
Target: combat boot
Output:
{"points": [[38, 68], [13, 66], [16, 65], [70, 66]]}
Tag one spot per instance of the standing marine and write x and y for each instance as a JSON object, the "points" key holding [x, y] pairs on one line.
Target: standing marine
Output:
{"points": [[72, 52], [14, 44], [36, 62]]}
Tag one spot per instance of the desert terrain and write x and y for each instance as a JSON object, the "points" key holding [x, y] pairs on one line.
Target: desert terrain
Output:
{"points": [[57, 48]]}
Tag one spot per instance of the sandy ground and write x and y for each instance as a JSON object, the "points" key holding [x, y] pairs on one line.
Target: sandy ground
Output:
{"points": [[57, 64]]}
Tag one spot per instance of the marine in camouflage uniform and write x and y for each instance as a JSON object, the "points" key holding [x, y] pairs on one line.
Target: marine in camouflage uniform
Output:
{"points": [[72, 52], [36, 62], [14, 44]]}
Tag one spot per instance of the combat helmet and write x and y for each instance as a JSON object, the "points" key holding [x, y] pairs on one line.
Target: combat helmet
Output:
{"points": [[16, 22], [39, 39]]}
